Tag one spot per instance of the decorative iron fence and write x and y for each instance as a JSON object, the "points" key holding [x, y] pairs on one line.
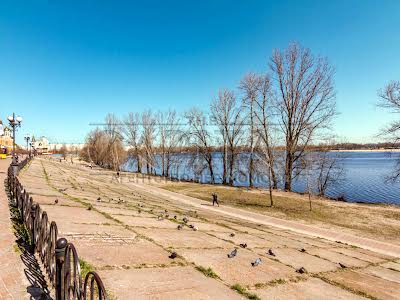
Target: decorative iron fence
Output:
{"points": [[59, 257]]}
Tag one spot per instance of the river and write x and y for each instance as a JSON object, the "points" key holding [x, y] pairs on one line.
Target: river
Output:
{"points": [[364, 180]]}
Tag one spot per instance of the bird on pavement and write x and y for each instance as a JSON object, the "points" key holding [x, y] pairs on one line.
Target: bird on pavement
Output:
{"points": [[256, 262], [270, 252], [232, 254], [243, 245], [173, 255], [56, 201], [301, 270]]}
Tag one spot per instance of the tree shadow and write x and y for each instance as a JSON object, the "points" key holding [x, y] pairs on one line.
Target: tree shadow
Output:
{"points": [[38, 289]]}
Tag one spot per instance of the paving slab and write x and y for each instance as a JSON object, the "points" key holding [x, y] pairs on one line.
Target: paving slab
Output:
{"points": [[392, 265], [66, 214], [122, 252], [371, 285], [337, 257], [354, 252], [185, 238], [283, 241], [310, 289], [147, 222], [383, 273], [252, 241], [238, 269], [165, 283], [297, 259]]}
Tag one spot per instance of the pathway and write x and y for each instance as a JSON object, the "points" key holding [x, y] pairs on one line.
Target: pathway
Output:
{"points": [[365, 243], [13, 283]]}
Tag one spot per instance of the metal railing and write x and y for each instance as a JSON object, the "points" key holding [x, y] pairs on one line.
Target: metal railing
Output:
{"points": [[59, 257]]}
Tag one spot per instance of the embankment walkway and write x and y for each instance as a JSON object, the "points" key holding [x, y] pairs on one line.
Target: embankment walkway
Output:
{"points": [[365, 243], [13, 282]]}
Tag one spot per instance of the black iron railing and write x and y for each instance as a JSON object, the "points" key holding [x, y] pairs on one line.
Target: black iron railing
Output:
{"points": [[59, 257]]}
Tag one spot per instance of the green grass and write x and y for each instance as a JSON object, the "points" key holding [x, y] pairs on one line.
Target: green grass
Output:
{"points": [[85, 268], [207, 272], [243, 291]]}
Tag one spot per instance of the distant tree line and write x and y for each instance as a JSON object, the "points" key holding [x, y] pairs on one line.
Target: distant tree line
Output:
{"points": [[275, 118]]}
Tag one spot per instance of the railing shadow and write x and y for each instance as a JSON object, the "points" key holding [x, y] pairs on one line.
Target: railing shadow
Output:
{"points": [[38, 289]]}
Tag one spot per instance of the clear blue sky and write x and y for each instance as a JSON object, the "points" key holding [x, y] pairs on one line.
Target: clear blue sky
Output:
{"points": [[65, 64]]}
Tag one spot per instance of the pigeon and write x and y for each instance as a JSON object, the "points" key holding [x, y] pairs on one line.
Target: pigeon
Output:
{"points": [[179, 227], [191, 226], [185, 220], [270, 252], [302, 250], [302, 270], [232, 234], [139, 210], [243, 245], [167, 216], [256, 262], [159, 218], [56, 201], [342, 265], [175, 217], [232, 254], [166, 210], [173, 255], [99, 199], [195, 228]]}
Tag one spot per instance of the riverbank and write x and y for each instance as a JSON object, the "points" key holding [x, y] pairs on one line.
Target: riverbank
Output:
{"points": [[377, 221], [126, 229]]}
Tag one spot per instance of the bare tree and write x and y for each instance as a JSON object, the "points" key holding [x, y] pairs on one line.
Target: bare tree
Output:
{"points": [[131, 131], [329, 169], [250, 86], [112, 129], [390, 99], [97, 150], [171, 139], [305, 100], [200, 138], [147, 139], [263, 119], [227, 116]]}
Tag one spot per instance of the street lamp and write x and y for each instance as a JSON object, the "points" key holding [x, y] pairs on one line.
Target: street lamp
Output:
{"points": [[14, 123], [27, 138]]}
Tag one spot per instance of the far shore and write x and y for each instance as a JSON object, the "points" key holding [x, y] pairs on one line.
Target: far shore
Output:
{"points": [[367, 150]]}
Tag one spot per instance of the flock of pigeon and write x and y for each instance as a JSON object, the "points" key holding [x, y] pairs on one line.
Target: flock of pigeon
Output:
{"points": [[185, 220]]}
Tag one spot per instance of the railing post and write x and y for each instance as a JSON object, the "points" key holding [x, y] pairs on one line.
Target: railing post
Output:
{"points": [[33, 236], [60, 257]]}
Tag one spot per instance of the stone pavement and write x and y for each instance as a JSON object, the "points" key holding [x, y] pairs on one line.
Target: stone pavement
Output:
{"points": [[126, 232], [370, 244], [13, 282]]}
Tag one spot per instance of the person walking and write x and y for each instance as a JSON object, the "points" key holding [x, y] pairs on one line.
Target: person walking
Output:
{"points": [[215, 199]]}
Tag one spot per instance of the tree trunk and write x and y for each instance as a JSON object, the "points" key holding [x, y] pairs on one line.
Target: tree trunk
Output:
{"points": [[288, 171], [139, 166], [224, 164]]}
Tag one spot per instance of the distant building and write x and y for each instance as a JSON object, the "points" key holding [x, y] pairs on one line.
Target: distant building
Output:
{"points": [[41, 145], [70, 147], [6, 140]]}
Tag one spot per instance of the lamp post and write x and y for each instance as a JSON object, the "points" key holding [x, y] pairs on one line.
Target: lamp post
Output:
{"points": [[27, 139], [14, 123]]}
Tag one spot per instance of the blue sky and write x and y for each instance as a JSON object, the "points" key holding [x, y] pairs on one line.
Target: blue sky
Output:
{"points": [[64, 64]]}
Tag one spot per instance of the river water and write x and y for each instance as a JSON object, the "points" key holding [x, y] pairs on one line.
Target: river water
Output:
{"points": [[364, 180]]}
